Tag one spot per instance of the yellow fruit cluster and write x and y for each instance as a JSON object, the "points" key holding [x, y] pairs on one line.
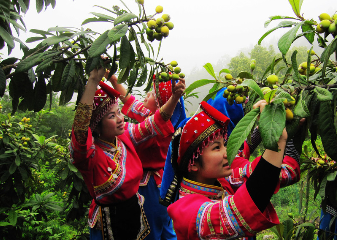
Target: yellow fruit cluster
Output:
{"points": [[24, 119], [237, 94], [173, 72], [160, 27], [302, 68], [327, 24]]}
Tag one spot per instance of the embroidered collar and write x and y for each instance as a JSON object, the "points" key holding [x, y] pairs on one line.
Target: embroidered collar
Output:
{"points": [[113, 151], [211, 191]]}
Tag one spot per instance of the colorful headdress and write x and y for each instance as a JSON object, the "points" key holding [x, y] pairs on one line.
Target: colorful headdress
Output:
{"points": [[104, 98], [163, 90], [188, 142]]}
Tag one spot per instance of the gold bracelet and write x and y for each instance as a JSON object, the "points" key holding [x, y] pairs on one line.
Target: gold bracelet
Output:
{"points": [[165, 116]]}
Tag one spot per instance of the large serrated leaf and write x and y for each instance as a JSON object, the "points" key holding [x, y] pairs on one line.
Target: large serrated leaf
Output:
{"points": [[296, 5], [287, 39], [240, 132], [142, 78], [7, 37], [99, 45], [126, 17], [117, 32], [271, 124], [246, 75], [41, 32], [280, 25], [327, 129], [301, 108], [310, 36], [29, 62], [55, 40], [39, 5], [2, 82], [123, 76], [198, 83], [44, 65], [56, 78], [253, 85], [107, 18], [125, 52], [68, 74], [323, 94], [40, 94], [331, 48], [210, 70]]}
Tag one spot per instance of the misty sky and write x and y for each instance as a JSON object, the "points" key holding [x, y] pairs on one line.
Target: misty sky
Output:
{"points": [[204, 30]]}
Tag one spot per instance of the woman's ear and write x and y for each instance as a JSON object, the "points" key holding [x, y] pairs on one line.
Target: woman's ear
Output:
{"points": [[195, 167]]}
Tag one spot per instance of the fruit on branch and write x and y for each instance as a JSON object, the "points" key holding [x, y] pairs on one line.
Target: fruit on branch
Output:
{"points": [[312, 52], [289, 114], [160, 21], [174, 63], [325, 24], [228, 77], [272, 79], [252, 66], [332, 28], [164, 75], [231, 88], [177, 70], [151, 24], [265, 90], [149, 32], [181, 75], [158, 36], [324, 16], [165, 31], [290, 103], [175, 76], [170, 25], [140, 2], [158, 29], [319, 29], [159, 9], [166, 17]]}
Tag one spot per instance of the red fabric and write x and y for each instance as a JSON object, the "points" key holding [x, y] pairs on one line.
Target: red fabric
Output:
{"points": [[198, 124], [163, 91], [135, 109]]}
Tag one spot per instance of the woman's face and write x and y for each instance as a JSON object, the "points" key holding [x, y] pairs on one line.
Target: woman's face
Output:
{"points": [[214, 162], [112, 124], [150, 102]]}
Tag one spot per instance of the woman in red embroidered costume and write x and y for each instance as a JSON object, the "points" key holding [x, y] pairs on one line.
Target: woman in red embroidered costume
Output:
{"points": [[215, 200], [153, 157], [106, 156]]}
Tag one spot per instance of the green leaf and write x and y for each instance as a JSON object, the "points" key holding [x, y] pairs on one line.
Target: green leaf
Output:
{"points": [[12, 168], [99, 45], [12, 216], [198, 83], [2, 82], [253, 85], [269, 96], [331, 176], [306, 27], [246, 75], [3, 224], [323, 94], [210, 70], [296, 75], [301, 108], [126, 17], [17, 160], [39, 5], [77, 184], [288, 227], [23, 173], [7, 37], [271, 124], [224, 71], [41, 32], [23, 6], [296, 5], [40, 94], [55, 39], [103, 16], [287, 39], [54, 207], [68, 74], [44, 65], [117, 32], [56, 78], [330, 49], [34, 39], [278, 230], [240, 132], [64, 173], [92, 63], [143, 77], [280, 25], [327, 129], [72, 167], [29, 62], [210, 95], [125, 52], [89, 20], [124, 74]]}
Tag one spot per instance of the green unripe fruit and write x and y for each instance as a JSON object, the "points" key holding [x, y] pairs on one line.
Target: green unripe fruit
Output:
{"points": [[334, 17], [231, 88], [272, 79], [275, 86], [312, 52], [158, 36], [140, 2], [175, 76], [265, 90], [165, 30], [325, 23], [239, 99], [312, 69], [160, 22], [150, 38], [166, 17], [304, 65], [319, 29], [149, 32], [301, 70], [317, 69], [158, 29], [151, 24], [229, 77], [252, 66], [239, 80], [174, 63], [230, 101], [181, 75], [159, 9], [170, 67], [239, 89], [324, 16], [170, 25], [177, 70], [320, 161], [164, 75], [253, 61], [332, 28], [225, 93], [290, 81]]}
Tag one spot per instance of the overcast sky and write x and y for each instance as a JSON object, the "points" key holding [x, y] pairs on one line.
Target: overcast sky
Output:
{"points": [[204, 30]]}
